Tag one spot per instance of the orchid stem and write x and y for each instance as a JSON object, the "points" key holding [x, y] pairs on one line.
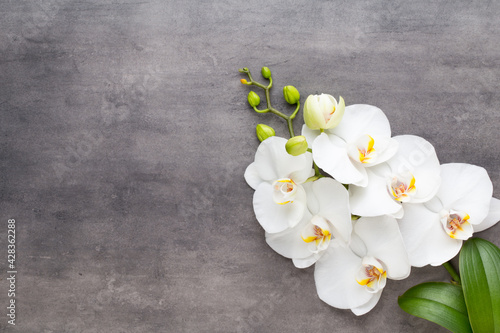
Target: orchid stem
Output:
{"points": [[316, 171], [289, 119], [454, 275]]}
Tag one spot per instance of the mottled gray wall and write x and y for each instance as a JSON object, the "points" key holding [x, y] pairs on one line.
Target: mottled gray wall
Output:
{"points": [[125, 133]]}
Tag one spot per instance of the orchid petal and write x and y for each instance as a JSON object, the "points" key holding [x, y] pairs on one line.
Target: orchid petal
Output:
{"points": [[399, 214], [365, 308], [492, 218], [338, 113], [424, 237], [386, 148], [417, 157], [384, 241], [372, 200], [303, 169], [330, 154], [308, 261], [289, 243], [434, 205], [357, 245], [274, 217], [333, 205], [466, 187], [371, 150], [335, 277], [273, 162], [313, 115], [361, 119], [252, 176], [312, 200], [310, 134]]}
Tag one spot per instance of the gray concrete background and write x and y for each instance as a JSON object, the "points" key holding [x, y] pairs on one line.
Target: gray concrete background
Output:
{"points": [[125, 133]]}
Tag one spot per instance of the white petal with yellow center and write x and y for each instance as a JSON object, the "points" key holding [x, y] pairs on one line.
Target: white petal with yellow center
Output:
{"points": [[360, 141], [274, 217], [335, 278], [330, 154], [434, 231], [284, 191], [371, 274], [466, 188], [317, 234], [374, 199], [456, 224], [383, 240], [425, 239], [416, 156], [330, 200], [330, 226], [402, 187], [348, 278], [362, 150]]}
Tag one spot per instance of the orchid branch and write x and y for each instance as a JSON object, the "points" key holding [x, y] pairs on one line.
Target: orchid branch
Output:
{"points": [[295, 98]]}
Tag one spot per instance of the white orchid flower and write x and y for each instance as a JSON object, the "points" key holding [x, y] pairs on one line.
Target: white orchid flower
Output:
{"points": [[354, 277], [323, 111], [361, 140], [328, 224], [279, 200], [433, 232], [411, 175]]}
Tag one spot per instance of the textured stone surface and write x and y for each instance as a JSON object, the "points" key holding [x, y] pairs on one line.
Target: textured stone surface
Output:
{"points": [[125, 133]]}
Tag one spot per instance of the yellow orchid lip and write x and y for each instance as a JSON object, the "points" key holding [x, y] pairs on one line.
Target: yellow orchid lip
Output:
{"points": [[317, 233], [456, 224], [318, 236], [362, 150], [284, 191], [365, 152], [401, 187], [369, 275]]}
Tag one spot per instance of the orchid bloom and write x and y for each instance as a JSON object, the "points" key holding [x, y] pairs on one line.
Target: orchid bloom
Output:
{"points": [[279, 200], [328, 224], [433, 232], [353, 277], [412, 175], [360, 141]]}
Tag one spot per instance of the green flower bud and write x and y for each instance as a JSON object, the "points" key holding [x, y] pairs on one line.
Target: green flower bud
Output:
{"points": [[296, 145], [292, 95], [253, 99], [266, 72], [264, 132]]}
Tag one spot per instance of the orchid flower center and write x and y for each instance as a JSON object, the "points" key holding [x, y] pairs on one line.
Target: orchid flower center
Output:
{"points": [[401, 187], [317, 233], [371, 274], [456, 224], [362, 149], [284, 191]]}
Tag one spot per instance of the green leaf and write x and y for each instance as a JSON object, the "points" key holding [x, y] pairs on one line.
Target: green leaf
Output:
{"points": [[439, 302], [480, 272]]}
